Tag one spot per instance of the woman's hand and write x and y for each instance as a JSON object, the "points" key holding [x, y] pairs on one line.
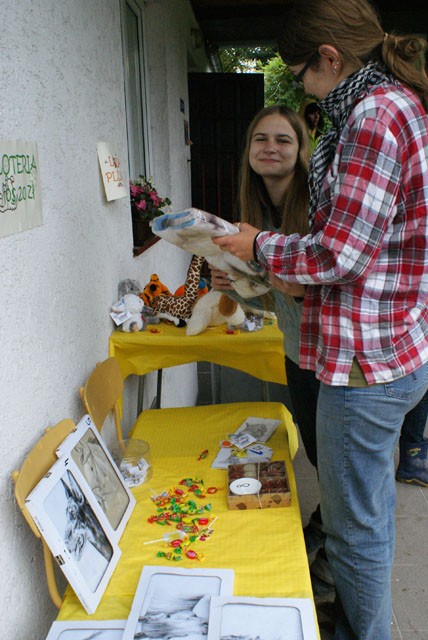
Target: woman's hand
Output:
{"points": [[240, 244], [220, 280], [292, 289]]}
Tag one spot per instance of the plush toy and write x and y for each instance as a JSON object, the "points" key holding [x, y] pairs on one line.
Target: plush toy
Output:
{"points": [[202, 289], [153, 290], [213, 309], [140, 314], [174, 308]]}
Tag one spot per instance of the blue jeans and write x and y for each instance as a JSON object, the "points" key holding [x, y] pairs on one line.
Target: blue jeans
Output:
{"points": [[357, 434]]}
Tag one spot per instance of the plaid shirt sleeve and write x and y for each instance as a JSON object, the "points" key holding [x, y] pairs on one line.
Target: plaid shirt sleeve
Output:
{"points": [[368, 249]]}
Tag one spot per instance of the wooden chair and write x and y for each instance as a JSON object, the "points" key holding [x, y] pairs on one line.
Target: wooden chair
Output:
{"points": [[101, 394], [35, 466]]}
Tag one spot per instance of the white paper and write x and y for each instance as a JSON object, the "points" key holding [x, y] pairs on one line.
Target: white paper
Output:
{"points": [[87, 630], [264, 618], [254, 453], [260, 428], [20, 189], [112, 173], [193, 230], [172, 602]]}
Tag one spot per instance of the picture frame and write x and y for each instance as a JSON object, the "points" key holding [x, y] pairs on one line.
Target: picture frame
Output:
{"points": [[87, 630], [175, 600], [260, 428], [76, 530], [242, 617], [90, 453]]}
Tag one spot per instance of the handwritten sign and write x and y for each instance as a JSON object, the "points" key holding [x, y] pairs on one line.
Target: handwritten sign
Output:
{"points": [[20, 198], [111, 170]]}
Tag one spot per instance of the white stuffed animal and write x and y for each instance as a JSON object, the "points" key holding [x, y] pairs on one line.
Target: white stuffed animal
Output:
{"points": [[137, 314], [213, 309]]}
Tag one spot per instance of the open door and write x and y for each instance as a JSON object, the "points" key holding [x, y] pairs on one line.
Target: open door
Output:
{"points": [[221, 106]]}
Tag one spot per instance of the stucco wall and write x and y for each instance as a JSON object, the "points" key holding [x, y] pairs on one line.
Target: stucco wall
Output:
{"points": [[62, 86]]}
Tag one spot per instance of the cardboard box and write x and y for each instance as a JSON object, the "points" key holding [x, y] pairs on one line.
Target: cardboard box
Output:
{"points": [[274, 489]]}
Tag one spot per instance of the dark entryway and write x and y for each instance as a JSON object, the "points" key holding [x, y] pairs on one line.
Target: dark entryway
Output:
{"points": [[221, 106]]}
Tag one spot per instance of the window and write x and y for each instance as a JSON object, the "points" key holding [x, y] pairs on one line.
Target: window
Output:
{"points": [[136, 106], [135, 91]]}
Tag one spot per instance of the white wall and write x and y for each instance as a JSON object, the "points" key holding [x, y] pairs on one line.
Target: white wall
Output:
{"points": [[62, 87]]}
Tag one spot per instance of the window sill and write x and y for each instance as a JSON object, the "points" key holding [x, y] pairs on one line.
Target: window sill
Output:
{"points": [[137, 251]]}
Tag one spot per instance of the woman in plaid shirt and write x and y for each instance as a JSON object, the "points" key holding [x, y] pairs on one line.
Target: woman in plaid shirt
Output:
{"points": [[365, 267]]}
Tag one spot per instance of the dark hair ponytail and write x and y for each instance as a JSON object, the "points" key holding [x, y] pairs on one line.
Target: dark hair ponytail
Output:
{"points": [[404, 56], [354, 29]]}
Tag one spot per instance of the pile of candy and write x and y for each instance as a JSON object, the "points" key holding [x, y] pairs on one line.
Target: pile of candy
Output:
{"points": [[191, 521]]}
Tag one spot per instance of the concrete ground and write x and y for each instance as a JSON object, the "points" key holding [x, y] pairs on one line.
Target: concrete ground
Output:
{"points": [[410, 574]]}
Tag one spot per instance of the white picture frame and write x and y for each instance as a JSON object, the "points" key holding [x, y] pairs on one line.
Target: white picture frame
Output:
{"points": [[76, 530], [90, 453], [175, 600], [242, 617], [260, 428], [87, 630]]}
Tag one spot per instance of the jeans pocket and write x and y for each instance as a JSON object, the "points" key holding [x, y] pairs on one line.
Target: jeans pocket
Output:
{"points": [[408, 386]]}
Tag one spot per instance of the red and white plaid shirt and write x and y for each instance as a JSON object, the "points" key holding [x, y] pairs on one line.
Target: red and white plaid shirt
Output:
{"points": [[366, 260]]}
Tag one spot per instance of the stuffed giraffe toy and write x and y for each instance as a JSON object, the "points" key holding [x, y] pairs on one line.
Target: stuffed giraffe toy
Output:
{"points": [[175, 308]]}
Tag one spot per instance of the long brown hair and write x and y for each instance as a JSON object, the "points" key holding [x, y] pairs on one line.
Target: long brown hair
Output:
{"points": [[253, 197], [354, 29]]}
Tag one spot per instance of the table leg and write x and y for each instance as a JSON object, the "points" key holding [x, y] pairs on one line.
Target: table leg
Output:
{"points": [[215, 383], [156, 402], [159, 390], [140, 395], [265, 391]]}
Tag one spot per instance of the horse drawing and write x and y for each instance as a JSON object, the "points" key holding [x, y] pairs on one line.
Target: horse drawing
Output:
{"points": [[101, 477], [82, 525]]}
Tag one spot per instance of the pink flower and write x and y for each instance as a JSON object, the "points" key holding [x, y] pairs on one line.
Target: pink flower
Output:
{"points": [[141, 204], [136, 190], [145, 199]]}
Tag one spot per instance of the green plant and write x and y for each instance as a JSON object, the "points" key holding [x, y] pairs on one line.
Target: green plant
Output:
{"points": [[146, 203]]}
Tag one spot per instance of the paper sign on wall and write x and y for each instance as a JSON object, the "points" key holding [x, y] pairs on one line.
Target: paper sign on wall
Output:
{"points": [[111, 171], [20, 198]]}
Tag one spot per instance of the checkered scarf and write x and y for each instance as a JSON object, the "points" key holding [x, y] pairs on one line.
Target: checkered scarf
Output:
{"points": [[338, 104]]}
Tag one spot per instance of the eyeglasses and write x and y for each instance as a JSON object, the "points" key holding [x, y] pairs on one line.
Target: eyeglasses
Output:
{"points": [[299, 77]]}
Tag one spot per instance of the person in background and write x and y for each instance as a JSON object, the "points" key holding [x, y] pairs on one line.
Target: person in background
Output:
{"points": [[274, 195], [313, 118], [364, 325], [413, 459]]}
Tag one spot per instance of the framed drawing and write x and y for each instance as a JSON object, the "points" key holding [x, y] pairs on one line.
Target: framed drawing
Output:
{"points": [[76, 530], [244, 618], [260, 429], [173, 602], [89, 452], [87, 630]]}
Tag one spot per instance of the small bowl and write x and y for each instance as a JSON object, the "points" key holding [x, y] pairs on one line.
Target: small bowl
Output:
{"points": [[134, 461]]}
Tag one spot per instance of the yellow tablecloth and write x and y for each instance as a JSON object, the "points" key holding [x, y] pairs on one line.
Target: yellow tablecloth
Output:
{"points": [[259, 353], [265, 548]]}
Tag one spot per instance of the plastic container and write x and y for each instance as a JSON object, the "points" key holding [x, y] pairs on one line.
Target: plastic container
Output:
{"points": [[134, 461]]}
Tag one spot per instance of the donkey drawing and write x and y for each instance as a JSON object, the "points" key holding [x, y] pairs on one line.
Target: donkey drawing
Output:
{"points": [[82, 525]]}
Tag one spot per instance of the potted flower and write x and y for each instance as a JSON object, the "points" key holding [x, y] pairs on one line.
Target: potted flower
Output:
{"points": [[146, 204]]}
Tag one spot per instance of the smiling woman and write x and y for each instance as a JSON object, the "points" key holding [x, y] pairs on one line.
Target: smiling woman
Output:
{"points": [[274, 195], [274, 171]]}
